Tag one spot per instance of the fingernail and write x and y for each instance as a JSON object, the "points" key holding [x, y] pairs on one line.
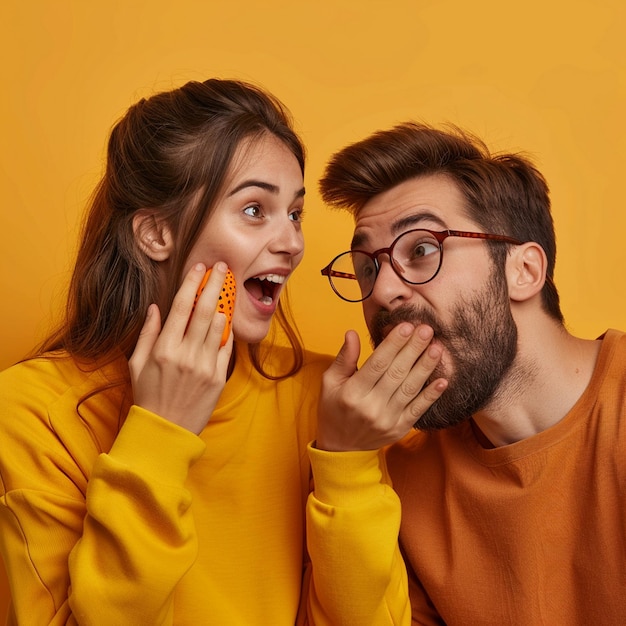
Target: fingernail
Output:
{"points": [[406, 329], [425, 332], [434, 351], [221, 266], [199, 267]]}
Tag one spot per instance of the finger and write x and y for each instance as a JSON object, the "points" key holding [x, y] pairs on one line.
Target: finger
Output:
{"points": [[415, 350], [216, 330], [147, 338], [225, 351], [412, 366], [379, 362], [424, 401], [204, 315], [182, 305], [345, 363], [416, 379]]}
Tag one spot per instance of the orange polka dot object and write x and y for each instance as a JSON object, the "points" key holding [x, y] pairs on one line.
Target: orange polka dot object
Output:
{"points": [[226, 301]]}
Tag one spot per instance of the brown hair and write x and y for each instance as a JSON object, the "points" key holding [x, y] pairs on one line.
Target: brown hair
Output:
{"points": [[505, 193], [170, 152]]}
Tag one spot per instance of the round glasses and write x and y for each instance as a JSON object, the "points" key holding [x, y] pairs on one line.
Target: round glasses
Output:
{"points": [[415, 256]]}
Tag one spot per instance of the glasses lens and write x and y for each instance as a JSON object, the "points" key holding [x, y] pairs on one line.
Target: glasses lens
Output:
{"points": [[416, 256], [353, 275]]}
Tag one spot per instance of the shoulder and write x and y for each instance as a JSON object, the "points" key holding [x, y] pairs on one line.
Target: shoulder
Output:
{"points": [[281, 359], [33, 390], [41, 378], [615, 340], [612, 356], [422, 462], [405, 449], [313, 367], [52, 375], [307, 381], [402, 457], [420, 451], [317, 360]]}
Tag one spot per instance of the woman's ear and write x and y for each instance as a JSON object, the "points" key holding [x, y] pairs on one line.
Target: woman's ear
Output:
{"points": [[526, 271], [153, 235]]}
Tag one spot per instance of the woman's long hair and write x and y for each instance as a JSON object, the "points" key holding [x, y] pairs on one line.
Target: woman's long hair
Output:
{"points": [[170, 153]]}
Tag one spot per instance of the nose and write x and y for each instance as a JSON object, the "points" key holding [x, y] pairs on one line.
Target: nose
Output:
{"points": [[389, 289], [288, 238]]}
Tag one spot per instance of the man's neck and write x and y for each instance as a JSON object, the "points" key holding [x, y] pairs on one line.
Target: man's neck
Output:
{"points": [[546, 380]]}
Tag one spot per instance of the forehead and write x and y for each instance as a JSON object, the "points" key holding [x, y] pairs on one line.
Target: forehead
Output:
{"points": [[259, 154], [433, 202]]}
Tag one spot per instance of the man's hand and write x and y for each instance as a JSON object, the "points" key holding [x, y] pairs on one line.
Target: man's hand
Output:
{"points": [[378, 404]]}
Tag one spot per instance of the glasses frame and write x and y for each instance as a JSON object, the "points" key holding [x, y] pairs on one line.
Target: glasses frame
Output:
{"points": [[440, 236]]}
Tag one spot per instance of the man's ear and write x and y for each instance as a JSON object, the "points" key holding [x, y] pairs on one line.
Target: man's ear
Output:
{"points": [[526, 269], [153, 235]]}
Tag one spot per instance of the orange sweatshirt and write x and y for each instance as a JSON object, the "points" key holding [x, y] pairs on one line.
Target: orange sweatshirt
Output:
{"points": [[530, 533], [111, 515]]}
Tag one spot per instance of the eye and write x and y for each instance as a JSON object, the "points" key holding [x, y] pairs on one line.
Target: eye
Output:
{"points": [[297, 215], [364, 268], [416, 248], [253, 210], [424, 248]]}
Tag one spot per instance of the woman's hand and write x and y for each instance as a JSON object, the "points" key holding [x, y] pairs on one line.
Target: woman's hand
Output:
{"points": [[179, 371], [378, 404]]}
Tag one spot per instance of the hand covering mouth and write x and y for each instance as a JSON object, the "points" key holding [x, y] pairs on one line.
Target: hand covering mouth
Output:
{"points": [[384, 321], [265, 287]]}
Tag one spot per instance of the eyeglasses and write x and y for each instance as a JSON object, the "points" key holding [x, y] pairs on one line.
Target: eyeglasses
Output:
{"points": [[415, 256]]}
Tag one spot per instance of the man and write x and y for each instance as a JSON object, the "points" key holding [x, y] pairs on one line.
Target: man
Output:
{"points": [[511, 487]]}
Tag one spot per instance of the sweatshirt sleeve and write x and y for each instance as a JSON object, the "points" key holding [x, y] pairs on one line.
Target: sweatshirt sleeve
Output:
{"points": [[138, 537], [110, 554], [353, 519]]}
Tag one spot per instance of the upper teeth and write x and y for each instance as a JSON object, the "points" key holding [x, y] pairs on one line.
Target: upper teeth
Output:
{"points": [[273, 278]]}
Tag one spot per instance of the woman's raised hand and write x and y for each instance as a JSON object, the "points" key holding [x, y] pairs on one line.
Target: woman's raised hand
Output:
{"points": [[178, 371]]}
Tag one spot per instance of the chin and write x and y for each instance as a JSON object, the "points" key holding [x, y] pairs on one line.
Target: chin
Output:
{"points": [[254, 334]]}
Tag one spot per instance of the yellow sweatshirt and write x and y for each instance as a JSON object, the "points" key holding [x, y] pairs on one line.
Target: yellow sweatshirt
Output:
{"points": [[111, 515], [353, 518]]}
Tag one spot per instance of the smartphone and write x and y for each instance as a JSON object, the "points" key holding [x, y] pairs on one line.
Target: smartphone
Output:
{"points": [[226, 301]]}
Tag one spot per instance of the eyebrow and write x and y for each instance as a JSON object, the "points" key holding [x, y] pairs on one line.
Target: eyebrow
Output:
{"points": [[263, 185], [400, 226]]}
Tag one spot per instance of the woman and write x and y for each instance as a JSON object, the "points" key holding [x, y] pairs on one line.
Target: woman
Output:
{"points": [[138, 486]]}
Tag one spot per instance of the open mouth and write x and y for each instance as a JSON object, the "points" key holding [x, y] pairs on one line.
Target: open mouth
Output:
{"points": [[265, 287]]}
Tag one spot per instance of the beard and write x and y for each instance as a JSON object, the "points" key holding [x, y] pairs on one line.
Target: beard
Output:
{"points": [[481, 341]]}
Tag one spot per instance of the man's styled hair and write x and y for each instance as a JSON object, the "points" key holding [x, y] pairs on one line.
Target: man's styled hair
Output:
{"points": [[505, 194]]}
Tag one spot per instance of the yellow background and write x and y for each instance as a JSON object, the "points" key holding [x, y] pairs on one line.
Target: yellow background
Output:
{"points": [[544, 76]]}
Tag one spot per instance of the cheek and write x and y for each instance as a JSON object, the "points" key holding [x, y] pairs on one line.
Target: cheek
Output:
{"points": [[208, 252], [300, 254], [369, 310], [445, 366], [297, 259]]}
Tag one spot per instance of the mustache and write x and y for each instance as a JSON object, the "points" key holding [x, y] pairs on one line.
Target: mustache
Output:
{"points": [[383, 320]]}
